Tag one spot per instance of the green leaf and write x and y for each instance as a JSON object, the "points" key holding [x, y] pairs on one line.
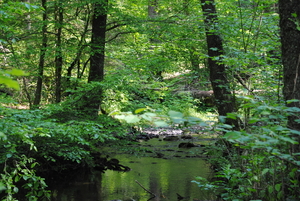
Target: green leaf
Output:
{"points": [[253, 120], [232, 135], [265, 171], [2, 186], [265, 112], [287, 139], [277, 187], [179, 121], [16, 190], [194, 119], [114, 113], [148, 116], [16, 72], [270, 189], [175, 114], [27, 6], [132, 119], [33, 165], [295, 132], [292, 101], [231, 115], [120, 116], [17, 178], [9, 82], [160, 123], [140, 110], [2, 136]]}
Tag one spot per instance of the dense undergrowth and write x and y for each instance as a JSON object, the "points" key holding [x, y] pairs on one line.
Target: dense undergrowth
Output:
{"points": [[57, 138], [256, 162], [252, 163], [33, 144]]}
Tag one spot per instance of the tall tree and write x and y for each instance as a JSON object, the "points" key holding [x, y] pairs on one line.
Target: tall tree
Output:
{"points": [[152, 15], [58, 56], [225, 100], [96, 73], [38, 91], [289, 11]]}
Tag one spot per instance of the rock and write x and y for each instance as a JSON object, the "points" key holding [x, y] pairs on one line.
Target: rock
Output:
{"points": [[171, 138], [186, 137], [159, 155], [186, 145]]}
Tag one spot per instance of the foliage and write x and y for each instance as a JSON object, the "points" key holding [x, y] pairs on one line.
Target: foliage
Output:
{"points": [[148, 60], [22, 177], [32, 144], [5, 78], [157, 119], [260, 164]]}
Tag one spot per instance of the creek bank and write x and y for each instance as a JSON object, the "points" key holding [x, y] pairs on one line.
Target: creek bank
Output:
{"points": [[164, 164], [167, 142]]}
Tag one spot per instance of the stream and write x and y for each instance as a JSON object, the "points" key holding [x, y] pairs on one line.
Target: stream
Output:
{"points": [[161, 170]]}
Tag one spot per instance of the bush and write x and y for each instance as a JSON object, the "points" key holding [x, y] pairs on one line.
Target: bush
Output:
{"points": [[257, 160], [32, 145]]}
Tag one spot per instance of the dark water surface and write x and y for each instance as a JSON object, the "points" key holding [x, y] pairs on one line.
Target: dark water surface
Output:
{"points": [[164, 177]]}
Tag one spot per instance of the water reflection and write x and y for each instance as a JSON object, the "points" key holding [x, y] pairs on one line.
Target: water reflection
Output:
{"points": [[166, 178]]}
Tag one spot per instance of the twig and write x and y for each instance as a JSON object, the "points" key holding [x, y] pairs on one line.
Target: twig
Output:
{"points": [[145, 188]]}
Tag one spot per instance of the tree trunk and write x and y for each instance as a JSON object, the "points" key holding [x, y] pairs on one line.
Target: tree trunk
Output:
{"points": [[194, 59], [96, 73], [58, 56], [80, 48], [289, 11], [98, 41], [224, 99], [38, 91], [153, 14]]}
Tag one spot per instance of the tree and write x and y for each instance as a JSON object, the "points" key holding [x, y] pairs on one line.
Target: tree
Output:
{"points": [[225, 100], [92, 99], [58, 57], [40, 74], [289, 11]]}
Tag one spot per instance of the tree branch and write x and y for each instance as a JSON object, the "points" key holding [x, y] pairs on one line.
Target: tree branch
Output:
{"points": [[145, 188]]}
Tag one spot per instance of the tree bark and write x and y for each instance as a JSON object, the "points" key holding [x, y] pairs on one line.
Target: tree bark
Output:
{"points": [[38, 91], [98, 41], [225, 101], [58, 57], [96, 73], [289, 12]]}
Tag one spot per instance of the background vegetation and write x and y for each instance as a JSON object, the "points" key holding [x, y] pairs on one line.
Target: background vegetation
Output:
{"points": [[69, 67]]}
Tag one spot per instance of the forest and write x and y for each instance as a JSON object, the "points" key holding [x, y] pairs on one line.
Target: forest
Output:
{"points": [[78, 75]]}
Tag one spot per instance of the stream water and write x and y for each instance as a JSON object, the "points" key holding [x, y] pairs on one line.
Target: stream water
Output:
{"points": [[164, 173]]}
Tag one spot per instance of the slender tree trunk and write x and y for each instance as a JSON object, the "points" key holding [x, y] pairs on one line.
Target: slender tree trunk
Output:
{"points": [[38, 92], [224, 99], [58, 57], [80, 48], [192, 47], [289, 11], [194, 59], [153, 14]]}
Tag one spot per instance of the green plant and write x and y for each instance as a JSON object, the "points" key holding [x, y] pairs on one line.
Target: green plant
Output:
{"points": [[259, 164], [22, 173], [33, 145]]}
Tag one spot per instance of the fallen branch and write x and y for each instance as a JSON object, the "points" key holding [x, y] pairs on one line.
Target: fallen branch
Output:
{"points": [[145, 188]]}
